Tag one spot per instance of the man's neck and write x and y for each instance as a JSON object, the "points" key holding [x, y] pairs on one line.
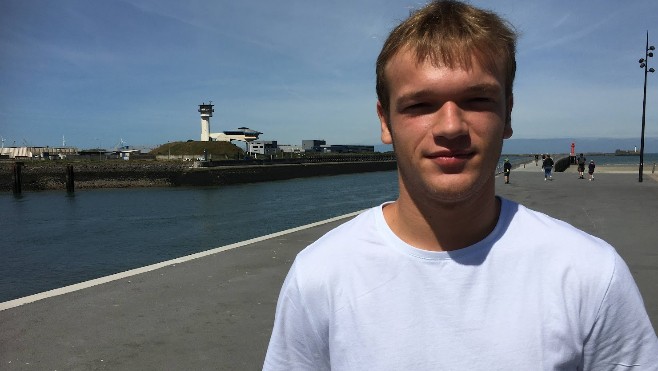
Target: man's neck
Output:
{"points": [[437, 226]]}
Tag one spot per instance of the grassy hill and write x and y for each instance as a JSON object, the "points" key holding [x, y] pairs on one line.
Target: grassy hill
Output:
{"points": [[218, 150]]}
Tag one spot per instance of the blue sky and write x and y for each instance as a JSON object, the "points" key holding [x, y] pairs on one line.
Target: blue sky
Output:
{"points": [[97, 72]]}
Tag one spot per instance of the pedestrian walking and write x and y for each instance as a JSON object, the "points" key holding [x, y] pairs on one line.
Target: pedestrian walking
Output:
{"points": [[590, 171], [581, 166], [507, 168], [547, 165]]}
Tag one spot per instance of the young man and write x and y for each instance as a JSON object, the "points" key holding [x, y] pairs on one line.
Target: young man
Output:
{"points": [[450, 277]]}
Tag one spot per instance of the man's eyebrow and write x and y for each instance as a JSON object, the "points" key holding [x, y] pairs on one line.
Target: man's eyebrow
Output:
{"points": [[413, 95], [487, 88]]}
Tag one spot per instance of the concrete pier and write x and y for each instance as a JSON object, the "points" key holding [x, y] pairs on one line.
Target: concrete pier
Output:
{"points": [[214, 310]]}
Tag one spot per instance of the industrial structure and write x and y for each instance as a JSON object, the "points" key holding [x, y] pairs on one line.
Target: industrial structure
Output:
{"points": [[206, 111], [37, 152], [242, 134]]}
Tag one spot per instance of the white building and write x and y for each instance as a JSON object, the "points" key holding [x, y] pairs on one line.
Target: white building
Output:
{"points": [[291, 148], [263, 147], [242, 134], [41, 152]]}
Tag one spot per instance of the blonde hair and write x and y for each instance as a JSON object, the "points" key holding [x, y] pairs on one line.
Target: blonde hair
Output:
{"points": [[450, 33]]}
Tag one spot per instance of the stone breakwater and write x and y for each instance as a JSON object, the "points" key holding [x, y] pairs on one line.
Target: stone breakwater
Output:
{"points": [[46, 175], [39, 175]]}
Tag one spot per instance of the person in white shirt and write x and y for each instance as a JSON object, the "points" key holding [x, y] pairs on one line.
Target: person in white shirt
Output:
{"points": [[449, 276]]}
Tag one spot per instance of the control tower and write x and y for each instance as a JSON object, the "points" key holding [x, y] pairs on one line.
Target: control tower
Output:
{"points": [[206, 111]]}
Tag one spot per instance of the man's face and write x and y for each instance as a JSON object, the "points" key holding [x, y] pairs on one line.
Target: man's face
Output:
{"points": [[447, 127]]}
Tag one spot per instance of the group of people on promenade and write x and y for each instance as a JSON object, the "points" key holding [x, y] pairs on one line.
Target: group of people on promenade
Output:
{"points": [[548, 164], [581, 161]]}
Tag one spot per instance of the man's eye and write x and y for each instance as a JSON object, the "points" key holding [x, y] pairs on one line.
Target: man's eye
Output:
{"points": [[418, 107], [480, 103]]}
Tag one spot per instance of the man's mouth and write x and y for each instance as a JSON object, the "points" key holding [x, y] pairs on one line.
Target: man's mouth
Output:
{"points": [[447, 155]]}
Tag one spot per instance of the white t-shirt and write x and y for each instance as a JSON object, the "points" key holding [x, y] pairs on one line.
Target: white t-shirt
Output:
{"points": [[536, 294]]}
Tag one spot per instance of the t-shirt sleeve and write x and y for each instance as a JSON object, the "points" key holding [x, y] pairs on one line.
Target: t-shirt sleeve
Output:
{"points": [[622, 337], [295, 343]]}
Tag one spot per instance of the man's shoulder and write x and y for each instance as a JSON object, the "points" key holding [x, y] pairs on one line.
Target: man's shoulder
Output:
{"points": [[559, 239], [330, 258], [343, 238], [537, 221]]}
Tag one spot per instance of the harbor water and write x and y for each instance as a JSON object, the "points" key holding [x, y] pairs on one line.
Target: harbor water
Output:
{"points": [[51, 239], [611, 160]]}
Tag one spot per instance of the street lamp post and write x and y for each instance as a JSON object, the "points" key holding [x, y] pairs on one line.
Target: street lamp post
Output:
{"points": [[644, 63]]}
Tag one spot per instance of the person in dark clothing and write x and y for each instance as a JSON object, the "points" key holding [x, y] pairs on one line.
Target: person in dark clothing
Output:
{"points": [[592, 165], [581, 166], [507, 168], [547, 165]]}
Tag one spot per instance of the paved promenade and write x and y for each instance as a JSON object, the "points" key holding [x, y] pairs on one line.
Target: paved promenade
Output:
{"points": [[215, 312]]}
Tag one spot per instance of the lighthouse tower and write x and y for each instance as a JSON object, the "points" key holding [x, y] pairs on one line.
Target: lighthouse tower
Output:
{"points": [[206, 111]]}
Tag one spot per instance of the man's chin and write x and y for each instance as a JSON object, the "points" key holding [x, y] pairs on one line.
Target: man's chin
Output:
{"points": [[455, 188]]}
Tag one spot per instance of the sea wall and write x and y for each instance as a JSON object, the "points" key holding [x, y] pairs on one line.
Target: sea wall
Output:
{"points": [[262, 173], [562, 164], [40, 175]]}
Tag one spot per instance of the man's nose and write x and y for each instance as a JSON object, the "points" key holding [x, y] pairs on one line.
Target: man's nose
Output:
{"points": [[449, 122]]}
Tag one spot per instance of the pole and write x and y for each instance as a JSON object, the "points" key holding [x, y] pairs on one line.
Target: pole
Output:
{"points": [[18, 181], [644, 107], [70, 179]]}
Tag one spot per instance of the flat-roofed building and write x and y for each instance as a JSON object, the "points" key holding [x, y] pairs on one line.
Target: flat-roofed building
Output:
{"points": [[313, 145], [347, 148], [291, 148], [263, 147]]}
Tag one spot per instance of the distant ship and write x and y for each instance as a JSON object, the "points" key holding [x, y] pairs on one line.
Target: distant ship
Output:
{"points": [[621, 152]]}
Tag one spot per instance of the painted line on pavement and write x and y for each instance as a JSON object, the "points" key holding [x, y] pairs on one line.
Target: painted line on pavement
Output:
{"points": [[117, 276]]}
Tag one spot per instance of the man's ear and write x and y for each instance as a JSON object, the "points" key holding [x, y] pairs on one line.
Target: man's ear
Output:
{"points": [[507, 131], [387, 138]]}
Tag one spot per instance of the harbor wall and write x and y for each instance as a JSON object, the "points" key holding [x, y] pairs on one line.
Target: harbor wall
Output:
{"points": [[261, 173], [124, 174], [562, 164]]}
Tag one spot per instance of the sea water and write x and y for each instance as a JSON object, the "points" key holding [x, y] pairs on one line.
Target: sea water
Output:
{"points": [[649, 159], [50, 239]]}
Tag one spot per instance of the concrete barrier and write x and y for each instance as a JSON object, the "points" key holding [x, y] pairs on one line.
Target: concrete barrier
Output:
{"points": [[562, 164]]}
